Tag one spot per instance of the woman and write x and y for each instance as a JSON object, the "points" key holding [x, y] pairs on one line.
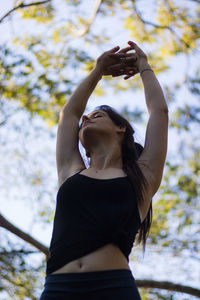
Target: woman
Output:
{"points": [[100, 209]]}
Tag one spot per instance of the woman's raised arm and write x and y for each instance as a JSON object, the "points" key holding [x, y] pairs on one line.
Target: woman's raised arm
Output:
{"points": [[153, 156], [78, 100], [68, 156]]}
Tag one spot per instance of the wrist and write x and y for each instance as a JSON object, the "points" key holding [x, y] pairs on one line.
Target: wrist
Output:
{"points": [[97, 71], [144, 70], [144, 65]]}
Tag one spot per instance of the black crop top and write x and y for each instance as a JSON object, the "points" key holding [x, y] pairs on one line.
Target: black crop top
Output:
{"points": [[91, 213]]}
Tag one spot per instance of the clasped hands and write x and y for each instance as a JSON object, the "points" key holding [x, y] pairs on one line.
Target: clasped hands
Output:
{"points": [[117, 63]]}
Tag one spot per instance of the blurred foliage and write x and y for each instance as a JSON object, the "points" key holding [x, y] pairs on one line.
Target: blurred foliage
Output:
{"points": [[43, 76], [43, 14], [178, 204], [43, 64], [19, 278]]}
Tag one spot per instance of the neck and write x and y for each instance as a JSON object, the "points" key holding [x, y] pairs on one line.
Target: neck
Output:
{"points": [[106, 158]]}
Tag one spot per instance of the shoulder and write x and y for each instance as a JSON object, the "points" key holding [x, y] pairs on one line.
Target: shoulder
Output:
{"points": [[148, 191], [62, 177], [152, 180]]}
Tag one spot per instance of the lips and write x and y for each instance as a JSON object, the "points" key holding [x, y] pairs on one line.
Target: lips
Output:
{"points": [[86, 122]]}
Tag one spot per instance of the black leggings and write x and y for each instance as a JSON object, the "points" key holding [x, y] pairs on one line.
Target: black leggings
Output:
{"points": [[98, 285]]}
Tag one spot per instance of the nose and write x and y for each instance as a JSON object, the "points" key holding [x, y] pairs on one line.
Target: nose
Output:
{"points": [[84, 118]]}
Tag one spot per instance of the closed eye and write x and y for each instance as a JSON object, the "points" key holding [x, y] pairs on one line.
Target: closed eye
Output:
{"points": [[95, 116]]}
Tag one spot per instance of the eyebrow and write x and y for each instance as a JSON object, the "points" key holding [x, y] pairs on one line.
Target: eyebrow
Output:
{"points": [[90, 117], [96, 113]]}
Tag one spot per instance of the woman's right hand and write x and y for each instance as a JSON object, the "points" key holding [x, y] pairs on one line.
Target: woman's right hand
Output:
{"points": [[141, 56], [107, 59], [130, 63], [110, 62]]}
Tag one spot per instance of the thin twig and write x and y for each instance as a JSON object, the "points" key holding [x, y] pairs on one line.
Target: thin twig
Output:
{"points": [[161, 27], [23, 235], [91, 20], [166, 285], [22, 5], [17, 252]]}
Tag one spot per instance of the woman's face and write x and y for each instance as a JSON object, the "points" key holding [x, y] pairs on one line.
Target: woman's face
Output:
{"points": [[96, 126]]}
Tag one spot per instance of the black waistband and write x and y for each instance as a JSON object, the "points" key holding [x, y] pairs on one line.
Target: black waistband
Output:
{"points": [[103, 274]]}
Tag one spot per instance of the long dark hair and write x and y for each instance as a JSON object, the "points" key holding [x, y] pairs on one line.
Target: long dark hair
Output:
{"points": [[131, 151]]}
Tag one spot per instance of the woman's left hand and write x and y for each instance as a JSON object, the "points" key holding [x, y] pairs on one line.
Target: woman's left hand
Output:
{"points": [[117, 63], [125, 65], [128, 64]]}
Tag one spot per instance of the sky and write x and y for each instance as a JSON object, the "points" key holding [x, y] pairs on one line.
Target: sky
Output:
{"points": [[20, 212]]}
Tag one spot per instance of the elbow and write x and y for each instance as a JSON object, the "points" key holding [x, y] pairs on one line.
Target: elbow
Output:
{"points": [[160, 110], [165, 110], [165, 113], [61, 116]]}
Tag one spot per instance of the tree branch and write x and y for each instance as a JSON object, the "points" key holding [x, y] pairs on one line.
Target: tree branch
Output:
{"points": [[24, 236], [17, 252], [160, 26], [22, 5], [166, 285], [91, 20], [197, 1]]}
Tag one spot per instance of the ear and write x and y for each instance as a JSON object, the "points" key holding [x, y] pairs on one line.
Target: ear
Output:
{"points": [[121, 128], [87, 154]]}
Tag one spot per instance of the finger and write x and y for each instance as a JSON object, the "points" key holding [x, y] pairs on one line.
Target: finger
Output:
{"points": [[128, 76], [122, 71], [116, 74], [126, 49], [116, 55], [128, 59], [130, 71], [117, 67], [124, 56], [126, 71], [113, 50], [135, 46], [122, 53], [132, 54]]}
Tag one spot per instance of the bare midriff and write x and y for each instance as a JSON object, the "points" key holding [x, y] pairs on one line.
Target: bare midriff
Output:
{"points": [[108, 257]]}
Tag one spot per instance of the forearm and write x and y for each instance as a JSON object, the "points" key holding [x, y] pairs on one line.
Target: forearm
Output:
{"points": [[78, 100], [154, 96]]}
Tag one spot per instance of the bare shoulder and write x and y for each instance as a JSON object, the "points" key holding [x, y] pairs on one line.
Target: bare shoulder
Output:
{"points": [[149, 190], [68, 157], [153, 179], [69, 171]]}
